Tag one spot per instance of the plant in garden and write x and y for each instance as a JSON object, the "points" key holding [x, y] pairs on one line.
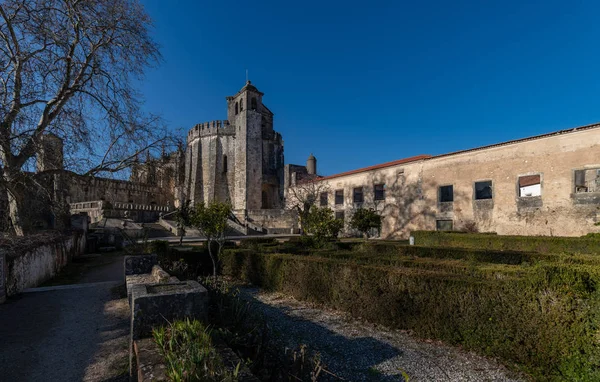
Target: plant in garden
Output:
{"points": [[322, 224], [365, 220], [189, 353], [211, 220], [183, 218]]}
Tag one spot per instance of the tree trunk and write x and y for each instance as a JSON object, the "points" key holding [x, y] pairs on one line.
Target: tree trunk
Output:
{"points": [[209, 242], [14, 212]]}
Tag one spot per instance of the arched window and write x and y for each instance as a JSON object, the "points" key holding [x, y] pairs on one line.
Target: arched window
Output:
{"points": [[241, 104], [253, 104], [236, 108], [224, 163]]}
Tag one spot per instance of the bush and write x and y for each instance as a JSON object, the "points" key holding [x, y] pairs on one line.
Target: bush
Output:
{"points": [[365, 220], [159, 247], [322, 224], [545, 320], [541, 244]]}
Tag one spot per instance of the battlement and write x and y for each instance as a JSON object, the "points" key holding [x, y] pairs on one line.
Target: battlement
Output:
{"points": [[210, 128]]}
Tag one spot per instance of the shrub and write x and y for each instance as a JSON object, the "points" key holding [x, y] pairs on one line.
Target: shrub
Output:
{"points": [[545, 320], [322, 224], [365, 220], [159, 247], [542, 244]]}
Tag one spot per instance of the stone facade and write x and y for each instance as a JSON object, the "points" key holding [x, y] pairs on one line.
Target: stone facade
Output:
{"points": [[239, 159], [544, 185]]}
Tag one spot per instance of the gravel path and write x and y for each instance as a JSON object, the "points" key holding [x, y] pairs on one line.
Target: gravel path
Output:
{"points": [[358, 351], [72, 333]]}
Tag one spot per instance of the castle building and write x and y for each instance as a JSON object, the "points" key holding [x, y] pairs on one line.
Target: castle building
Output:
{"points": [[240, 159], [542, 185]]}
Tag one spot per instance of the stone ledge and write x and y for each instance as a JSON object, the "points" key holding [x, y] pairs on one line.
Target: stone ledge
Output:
{"points": [[150, 362]]}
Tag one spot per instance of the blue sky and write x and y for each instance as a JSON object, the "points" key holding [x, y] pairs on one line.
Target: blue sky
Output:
{"points": [[361, 83]]}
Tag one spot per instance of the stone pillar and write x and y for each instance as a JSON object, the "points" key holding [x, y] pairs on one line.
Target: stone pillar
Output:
{"points": [[3, 276]]}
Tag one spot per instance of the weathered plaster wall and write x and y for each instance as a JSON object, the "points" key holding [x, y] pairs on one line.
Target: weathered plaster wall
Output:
{"points": [[33, 267], [274, 219], [411, 196]]}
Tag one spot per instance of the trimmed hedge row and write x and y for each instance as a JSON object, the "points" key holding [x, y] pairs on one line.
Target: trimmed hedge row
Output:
{"points": [[541, 244], [546, 322]]}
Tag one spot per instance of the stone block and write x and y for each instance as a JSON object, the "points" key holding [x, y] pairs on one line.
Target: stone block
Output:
{"points": [[154, 305], [138, 264]]}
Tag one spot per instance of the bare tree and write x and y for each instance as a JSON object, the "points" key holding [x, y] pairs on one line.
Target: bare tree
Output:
{"points": [[303, 195], [68, 67]]}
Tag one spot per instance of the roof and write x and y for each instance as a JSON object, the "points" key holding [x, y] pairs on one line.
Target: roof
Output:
{"points": [[378, 166], [427, 157]]}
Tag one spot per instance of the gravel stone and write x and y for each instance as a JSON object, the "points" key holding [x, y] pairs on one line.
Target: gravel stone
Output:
{"points": [[359, 351]]}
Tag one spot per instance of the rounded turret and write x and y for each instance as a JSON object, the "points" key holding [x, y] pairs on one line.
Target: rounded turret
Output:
{"points": [[311, 165]]}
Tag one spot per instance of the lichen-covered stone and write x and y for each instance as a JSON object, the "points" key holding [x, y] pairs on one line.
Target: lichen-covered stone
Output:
{"points": [[158, 304], [138, 264]]}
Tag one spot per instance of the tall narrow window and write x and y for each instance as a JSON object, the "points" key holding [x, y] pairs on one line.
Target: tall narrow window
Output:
{"points": [[339, 196], [323, 201], [236, 108], [357, 195], [446, 194], [483, 190], [224, 163], [379, 191], [241, 104], [253, 104]]}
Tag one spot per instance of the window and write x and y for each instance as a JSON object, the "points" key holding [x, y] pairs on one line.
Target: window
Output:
{"points": [[379, 191], [483, 190], [236, 108], [530, 185], [241, 104], [357, 195], [339, 215], [224, 163], [253, 103], [339, 197], [444, 225], [323, 199], [587, 180], [446, 194]]}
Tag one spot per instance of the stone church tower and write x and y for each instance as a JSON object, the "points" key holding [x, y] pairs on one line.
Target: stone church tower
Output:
{"points": [[240, 159]]}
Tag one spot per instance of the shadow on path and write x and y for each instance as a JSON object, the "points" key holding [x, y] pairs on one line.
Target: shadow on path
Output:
{"points": [[68, 334]]}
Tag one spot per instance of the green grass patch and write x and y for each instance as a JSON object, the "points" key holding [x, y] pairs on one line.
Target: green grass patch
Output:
{"points": [[189, 353]]}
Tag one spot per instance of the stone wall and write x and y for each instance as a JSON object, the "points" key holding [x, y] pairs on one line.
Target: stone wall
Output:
{"points": [[275, 220], [31, 264], [412, 188]]}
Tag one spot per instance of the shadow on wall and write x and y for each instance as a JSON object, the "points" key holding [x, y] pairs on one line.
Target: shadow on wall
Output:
{"points": [[406, 207]]}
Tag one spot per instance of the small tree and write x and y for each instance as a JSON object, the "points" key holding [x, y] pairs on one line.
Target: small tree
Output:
{"points": [[365, 220], [183, 218], [211, 220], [322, 224], [303, 195]]}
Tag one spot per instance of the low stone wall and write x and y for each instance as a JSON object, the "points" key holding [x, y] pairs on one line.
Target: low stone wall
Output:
{"points": [[275, 220], [38, 259]]}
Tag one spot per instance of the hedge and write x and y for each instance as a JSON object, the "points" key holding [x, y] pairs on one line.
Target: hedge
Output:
{"points": [[541, 244], [545, 321]]}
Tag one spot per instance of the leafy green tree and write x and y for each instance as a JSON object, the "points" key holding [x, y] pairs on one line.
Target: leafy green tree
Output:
{"points": [[322, 224], [211, 220], [365, 220], [183, 218]]}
